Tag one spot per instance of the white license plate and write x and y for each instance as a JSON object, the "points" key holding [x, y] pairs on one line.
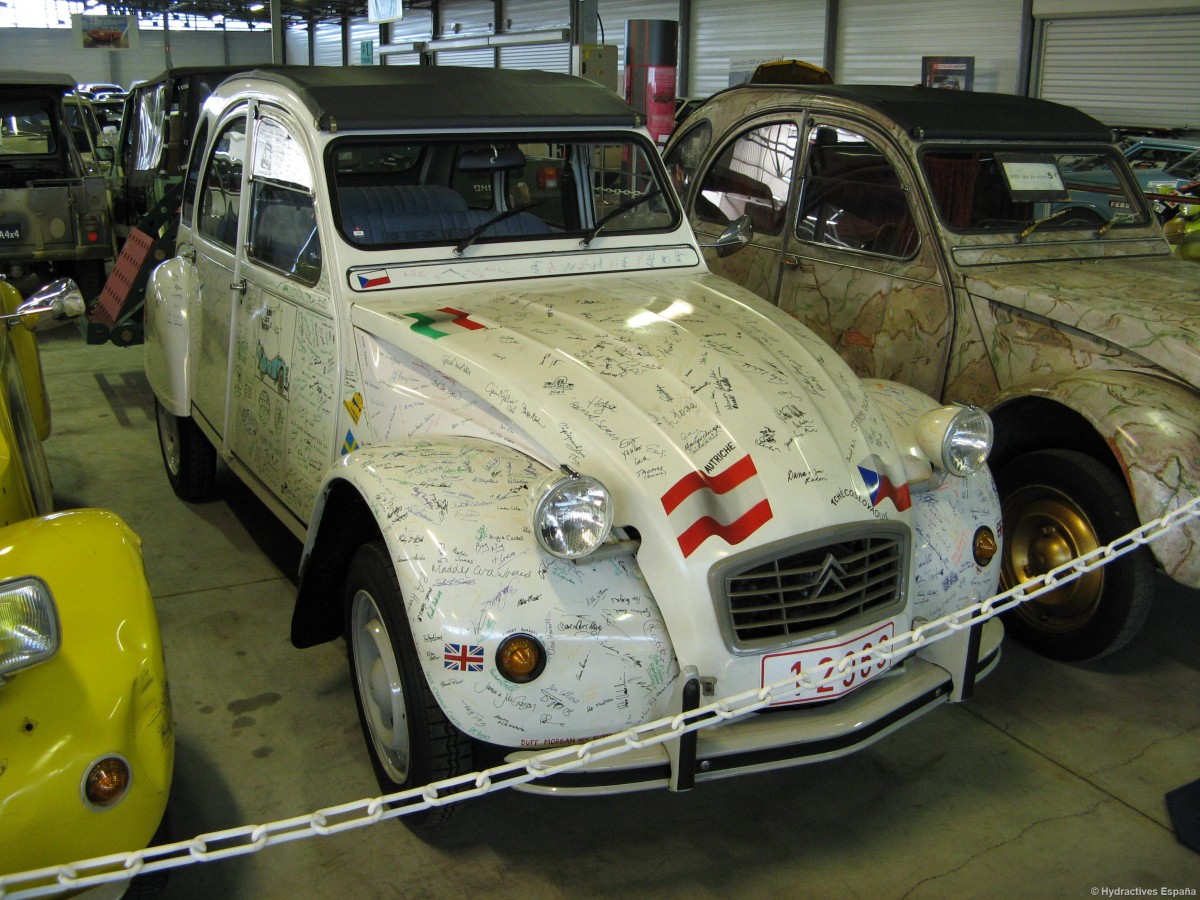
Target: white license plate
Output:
{"points": [[823, 661]]}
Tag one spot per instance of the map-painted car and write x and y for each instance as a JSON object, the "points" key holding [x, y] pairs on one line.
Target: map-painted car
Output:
{"points": [[938, 238], [86, 739], [554, 479]]}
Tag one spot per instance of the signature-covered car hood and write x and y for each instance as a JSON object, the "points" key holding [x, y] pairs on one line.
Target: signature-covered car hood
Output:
{"points": [[1148, 307], [689, 398]]}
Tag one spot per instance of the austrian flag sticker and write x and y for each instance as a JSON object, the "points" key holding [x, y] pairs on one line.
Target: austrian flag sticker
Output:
{"points": [[731, 505]]}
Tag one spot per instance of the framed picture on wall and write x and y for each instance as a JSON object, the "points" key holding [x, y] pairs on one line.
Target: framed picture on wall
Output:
{"points": [[956, 73]]}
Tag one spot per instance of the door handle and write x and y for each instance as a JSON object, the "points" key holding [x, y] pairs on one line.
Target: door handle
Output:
{"points": [[795, 263], [239, 286]]}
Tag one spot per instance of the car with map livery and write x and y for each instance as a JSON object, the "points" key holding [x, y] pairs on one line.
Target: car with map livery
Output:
{"points": [[553, 478], [950, 240]]}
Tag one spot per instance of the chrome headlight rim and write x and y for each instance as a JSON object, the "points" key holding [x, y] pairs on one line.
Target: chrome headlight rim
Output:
{"points": [[569, 491], [957, 438], [27, 606]]}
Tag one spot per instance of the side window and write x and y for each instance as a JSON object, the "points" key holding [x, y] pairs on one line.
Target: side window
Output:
{"points": [[192, 178], [852, 197], [752, 176], [283, 223], [221, 190], [684, 158]]}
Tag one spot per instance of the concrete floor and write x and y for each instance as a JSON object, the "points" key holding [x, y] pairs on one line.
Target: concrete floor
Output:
{"points": [[1049, 783]]}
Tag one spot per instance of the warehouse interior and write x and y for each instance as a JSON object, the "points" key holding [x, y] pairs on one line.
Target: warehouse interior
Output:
{"points": [[1051, 781]]}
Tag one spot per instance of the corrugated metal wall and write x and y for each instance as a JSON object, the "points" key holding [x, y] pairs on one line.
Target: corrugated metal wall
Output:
{"points": [[1125, 70], [54, 50], [730, 30], [882, 41]]}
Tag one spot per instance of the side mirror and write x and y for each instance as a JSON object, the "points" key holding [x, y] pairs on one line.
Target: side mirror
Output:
{"points": [[50, 305], [737, 234]]}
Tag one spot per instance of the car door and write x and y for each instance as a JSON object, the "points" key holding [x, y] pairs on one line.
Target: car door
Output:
{"points": [[856, 261], [219, 220], [285, 386], [752, 175]]}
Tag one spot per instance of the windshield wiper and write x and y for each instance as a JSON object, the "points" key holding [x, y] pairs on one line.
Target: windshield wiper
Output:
{"points": [[625, 207], [1115, 220], [1038, 223], [499, 217]]}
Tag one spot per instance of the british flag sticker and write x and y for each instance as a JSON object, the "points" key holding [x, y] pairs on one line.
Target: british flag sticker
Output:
{"points": [[464, 657], [730, 504]]}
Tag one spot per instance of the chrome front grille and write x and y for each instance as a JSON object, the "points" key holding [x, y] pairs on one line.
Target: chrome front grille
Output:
{"points": [[793, 589]]}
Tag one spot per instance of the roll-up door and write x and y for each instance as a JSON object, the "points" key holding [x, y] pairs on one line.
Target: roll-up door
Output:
{"points": [[362, 30], [725, 30], [1125, 70], [882, 41], [327, 44], [549, 57], [480, 59]]}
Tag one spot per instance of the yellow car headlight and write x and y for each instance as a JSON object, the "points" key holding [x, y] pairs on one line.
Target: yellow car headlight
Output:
{"points": [[29, 631], [956, 438], [572, 514]]}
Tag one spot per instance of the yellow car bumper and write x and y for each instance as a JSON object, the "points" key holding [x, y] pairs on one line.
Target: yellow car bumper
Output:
{"points": [[103, 694]]}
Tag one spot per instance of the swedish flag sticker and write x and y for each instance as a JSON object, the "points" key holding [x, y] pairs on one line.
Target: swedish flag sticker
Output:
{"points": [[350, 444]]}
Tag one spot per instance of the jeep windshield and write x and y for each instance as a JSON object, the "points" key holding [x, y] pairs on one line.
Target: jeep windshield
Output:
{"points": [[399, 192], [1019, 191], [26, 128]]}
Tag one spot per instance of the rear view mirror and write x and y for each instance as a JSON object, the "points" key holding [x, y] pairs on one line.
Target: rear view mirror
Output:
{"points": [[50, 305]]}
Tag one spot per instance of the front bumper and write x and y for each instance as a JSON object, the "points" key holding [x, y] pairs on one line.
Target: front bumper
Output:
{"points": [[778, 738]]}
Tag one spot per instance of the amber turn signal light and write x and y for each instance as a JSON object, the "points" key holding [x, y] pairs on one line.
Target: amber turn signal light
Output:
{"points": [[107, 781], [984, 546], [520, 658]]}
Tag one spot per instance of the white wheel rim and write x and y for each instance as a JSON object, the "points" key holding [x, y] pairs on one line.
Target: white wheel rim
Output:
{"points": [[168, 429], [380, 687]]}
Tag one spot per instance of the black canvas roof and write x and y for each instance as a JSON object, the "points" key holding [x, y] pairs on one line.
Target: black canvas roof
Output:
{"points": [[16, 77], [937, 113], [376, 97]]}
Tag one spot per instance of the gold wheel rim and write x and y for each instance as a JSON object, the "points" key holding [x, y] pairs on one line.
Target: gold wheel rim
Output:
{"points": [[1044, 528]]}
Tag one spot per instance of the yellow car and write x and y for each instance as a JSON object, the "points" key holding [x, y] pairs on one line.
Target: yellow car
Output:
{"points": [[86, 740]]}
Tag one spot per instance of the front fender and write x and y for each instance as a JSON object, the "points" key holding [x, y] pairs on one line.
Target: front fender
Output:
{"points": [[947, 511], [455, 516], [103, 693], [165, 357], [1152, 427]]}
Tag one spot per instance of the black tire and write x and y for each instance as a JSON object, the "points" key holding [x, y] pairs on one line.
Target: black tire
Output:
{"points": [[1059, 504], [409, 738], [188, 457]]}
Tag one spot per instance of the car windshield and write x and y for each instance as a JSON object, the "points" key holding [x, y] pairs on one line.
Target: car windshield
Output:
{"points": [[1187, 168], [392, 192], [1012, 189], [26, 128]]}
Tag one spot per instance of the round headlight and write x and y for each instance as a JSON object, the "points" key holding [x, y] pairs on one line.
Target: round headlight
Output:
{"points": [[958, 438], [572, 514]]}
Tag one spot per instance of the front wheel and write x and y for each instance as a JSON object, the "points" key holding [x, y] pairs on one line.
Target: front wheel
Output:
{"points": [[409, 738], [1058, 505], [190, 460]]}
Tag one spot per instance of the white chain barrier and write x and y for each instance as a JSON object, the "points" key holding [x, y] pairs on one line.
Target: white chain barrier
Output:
{"points": [[217, 845]]}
